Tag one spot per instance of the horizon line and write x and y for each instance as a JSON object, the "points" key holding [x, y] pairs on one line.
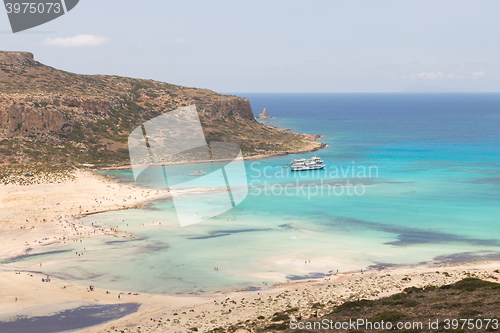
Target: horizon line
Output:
{"points": [[360, 92]]}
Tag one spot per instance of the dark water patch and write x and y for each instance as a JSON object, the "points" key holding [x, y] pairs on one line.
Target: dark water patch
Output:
{"points": [[155, 247], [412, 236], [76, 275], [251, 289], [456, 258], [138, 243], [287, 226], [29, 256], [309, 276], [72, 319], [467, 257], [381, 266], [152, 205], [221, 233], [488, 181], [129, 240], [409, 236]]}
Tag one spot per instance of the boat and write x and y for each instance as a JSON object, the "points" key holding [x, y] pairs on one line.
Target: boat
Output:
{"points": [[303, 164], [198, 173]]}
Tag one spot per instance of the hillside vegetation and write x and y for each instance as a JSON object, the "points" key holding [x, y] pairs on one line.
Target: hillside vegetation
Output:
{"points": [[56, 118], [469, 305]]}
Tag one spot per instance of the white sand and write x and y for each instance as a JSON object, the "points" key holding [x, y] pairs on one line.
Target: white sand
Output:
{"points": [[88, 193], [205, 314], [36, 215]]}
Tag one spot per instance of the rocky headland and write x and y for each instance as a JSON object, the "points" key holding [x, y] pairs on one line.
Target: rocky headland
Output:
{"points": [[50, 116]]}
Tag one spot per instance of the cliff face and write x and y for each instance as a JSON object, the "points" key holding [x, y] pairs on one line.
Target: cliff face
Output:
{"points": [[20, 120], [50, 115], [15, 58], [45, 118], [230, 106]]}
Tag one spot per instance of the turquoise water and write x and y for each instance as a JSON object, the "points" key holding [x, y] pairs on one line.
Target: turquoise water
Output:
{"points": [[426, 187]]}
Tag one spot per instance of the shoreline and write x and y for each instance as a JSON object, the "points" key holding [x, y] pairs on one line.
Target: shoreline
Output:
{"points": [[210, 311], [311, 139], [248, 158], [35, 215]]}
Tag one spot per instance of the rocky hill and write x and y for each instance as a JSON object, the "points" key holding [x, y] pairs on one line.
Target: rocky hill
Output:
{"points": [[50, 116], [469, 305]]}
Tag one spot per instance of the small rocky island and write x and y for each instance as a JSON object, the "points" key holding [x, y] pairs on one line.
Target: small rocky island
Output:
{"points": [[264, 114]]}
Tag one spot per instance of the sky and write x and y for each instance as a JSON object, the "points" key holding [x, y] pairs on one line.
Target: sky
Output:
{"points": [[275, 45]]}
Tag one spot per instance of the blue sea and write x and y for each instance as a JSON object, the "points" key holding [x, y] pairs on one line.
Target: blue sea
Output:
{"points": [[409, 179]]}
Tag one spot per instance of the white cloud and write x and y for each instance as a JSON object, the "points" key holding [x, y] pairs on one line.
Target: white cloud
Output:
{"points": [[453, 76], [77, 41], [477, 75], [425, 76], [180, 41]]}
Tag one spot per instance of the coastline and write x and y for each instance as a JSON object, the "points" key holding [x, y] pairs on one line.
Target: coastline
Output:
{"points": [[56, 203], [205, 312], [181, 313], [311, 140], [49, 212]]}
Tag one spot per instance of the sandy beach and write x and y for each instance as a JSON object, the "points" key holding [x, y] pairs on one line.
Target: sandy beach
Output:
{"points": [[167, 313], [41, 214], [236, 307], [38, 215]]}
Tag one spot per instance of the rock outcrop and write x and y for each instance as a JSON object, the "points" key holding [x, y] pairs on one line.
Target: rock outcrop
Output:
{"points": [[15, 58], [48, 119], [264, 114], [231, 106]]}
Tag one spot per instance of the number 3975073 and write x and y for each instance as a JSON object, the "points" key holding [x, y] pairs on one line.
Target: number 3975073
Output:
{"points": [[33, 8]]}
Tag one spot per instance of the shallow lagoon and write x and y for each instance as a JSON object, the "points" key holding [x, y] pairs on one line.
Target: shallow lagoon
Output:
{"points": [[435, 196]]}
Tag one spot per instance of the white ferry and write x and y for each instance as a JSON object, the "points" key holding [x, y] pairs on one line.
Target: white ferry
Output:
{"points": [[198, 173], [303, 164]]}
